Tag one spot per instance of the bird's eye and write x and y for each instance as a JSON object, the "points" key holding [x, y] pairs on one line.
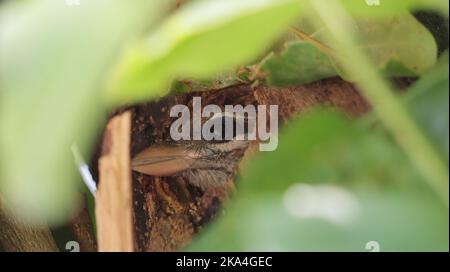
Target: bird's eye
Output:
{"points": [[230, 128]]}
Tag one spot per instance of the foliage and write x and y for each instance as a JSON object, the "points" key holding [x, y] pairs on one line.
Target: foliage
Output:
{"points": [[52, 62], [300, 63], [200, 40], [330, 187]]}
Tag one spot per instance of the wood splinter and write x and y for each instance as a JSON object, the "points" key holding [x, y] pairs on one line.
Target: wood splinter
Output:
{"points": [[114, 195]]}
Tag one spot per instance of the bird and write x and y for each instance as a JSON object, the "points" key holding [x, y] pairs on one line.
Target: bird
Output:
{"points": [[203, 163]]}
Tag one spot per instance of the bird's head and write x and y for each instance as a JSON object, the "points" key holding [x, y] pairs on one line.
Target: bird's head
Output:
{"points": [[204, 163]]}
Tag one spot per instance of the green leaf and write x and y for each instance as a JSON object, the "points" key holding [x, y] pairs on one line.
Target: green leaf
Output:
{"points": [[202, 39], [388, 8], [300, 63], [330, 187], [385, 104], [438, 25], [53, 59], [428, 100], [398, 45], [397, 222], [218, 81]]}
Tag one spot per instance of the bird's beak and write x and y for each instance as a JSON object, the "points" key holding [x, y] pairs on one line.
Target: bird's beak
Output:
{"points": [[163, 160]]}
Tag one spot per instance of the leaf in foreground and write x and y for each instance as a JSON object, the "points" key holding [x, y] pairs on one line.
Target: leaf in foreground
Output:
{"points": [[52, 62], [200, 40], [330, 186]]}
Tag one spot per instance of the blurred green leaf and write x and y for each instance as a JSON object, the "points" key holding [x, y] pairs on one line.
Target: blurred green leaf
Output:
{"points": [[53, 57], [330, 186], [438, 25], [398, 45], [428, 100], [203, 38], [300, 63], [389, 8], [392, 113], [218, 81], [397, 221]]}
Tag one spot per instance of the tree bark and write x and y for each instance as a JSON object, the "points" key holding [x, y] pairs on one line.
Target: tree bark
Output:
{"points": [[83, 230], [17, 236]]}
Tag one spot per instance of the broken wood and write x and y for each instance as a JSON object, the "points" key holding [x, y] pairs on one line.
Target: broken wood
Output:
{"points": [[114, 195]]}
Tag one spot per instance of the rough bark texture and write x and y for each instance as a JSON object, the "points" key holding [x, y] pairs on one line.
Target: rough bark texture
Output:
{"points": [[83, 230], [113, 207], [168, 211], [16, 236]]}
